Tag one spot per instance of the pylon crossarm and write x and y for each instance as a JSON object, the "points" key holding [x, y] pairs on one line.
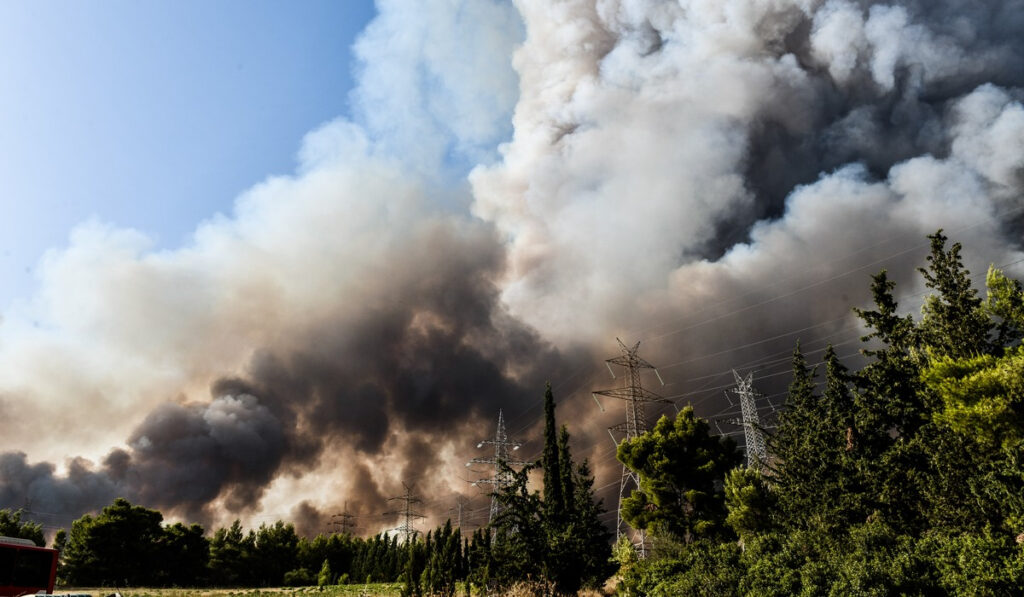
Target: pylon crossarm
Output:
{"points": [[620, 428], [634, 394], [630, 362]]}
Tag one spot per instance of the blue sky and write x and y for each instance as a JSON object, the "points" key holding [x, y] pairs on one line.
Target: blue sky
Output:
{"points": [[155, 115]]}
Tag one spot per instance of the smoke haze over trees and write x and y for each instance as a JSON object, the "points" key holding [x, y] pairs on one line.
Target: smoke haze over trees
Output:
{"points": [[901, 477], [715, 179]]}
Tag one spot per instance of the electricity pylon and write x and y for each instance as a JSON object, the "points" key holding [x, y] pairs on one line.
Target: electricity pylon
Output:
{"points": [[460, 504], [636, 398], [346, 520], [502, 476], [407, 528], [751, 422]]}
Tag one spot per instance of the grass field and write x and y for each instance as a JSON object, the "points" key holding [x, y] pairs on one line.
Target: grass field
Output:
{"points": [[368, 590]]}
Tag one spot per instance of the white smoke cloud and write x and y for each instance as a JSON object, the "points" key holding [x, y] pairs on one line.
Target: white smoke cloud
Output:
{"points": [[638, 123]]}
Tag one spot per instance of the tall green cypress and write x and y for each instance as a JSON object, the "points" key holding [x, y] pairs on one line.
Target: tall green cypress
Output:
{"points": [[554, 504], [566, 481]]}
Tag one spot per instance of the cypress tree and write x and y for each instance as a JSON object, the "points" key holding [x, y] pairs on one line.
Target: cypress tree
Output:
{"points": [[565, 466], [554, 504]]}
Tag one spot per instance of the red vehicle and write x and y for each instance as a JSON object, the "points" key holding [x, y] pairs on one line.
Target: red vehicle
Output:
{"points": [[26, 568]]}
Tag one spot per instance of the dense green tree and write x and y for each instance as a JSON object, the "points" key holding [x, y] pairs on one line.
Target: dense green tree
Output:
{"points": [[11, 525], [415, 563], [889, 401], [681, 467], [60, 540], [815, 466], [444, 562], [954, 322], [230, 550], [591, 538], [184, 553], [120, 546], [751, 506], [519, 547], [1005, 303], [554, 502], [325, 577], [556, 540], [274, 552], [981, 396], [338, 550], [478, 559]]}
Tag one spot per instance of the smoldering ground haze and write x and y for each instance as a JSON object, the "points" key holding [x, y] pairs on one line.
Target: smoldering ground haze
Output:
{"points": [[716, 179]]}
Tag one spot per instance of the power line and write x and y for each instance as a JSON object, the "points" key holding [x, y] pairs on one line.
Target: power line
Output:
{"points": [[636, 398], [407, 528], [502, 472]]}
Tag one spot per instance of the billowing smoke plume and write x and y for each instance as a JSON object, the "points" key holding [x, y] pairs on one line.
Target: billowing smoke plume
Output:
{"points": [[716, 179]]}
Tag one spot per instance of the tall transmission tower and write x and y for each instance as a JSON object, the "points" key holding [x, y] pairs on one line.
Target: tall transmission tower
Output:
{"points": [[407, 528], [460, 505], [636, 398], [751, 422], [502, 476], [344, 520]]}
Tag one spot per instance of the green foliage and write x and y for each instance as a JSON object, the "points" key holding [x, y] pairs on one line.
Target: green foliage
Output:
{"points": [[229, 551], [444, 562], [1006, 303], [324, 577], [11, 525], [558, 540], [274, 552], [185, 556], [554, 502], [300, 577], [681, 466], [705, 567], [981, 396], [817, 466], [749, 502], [903, 478], [120, 546], [954, 322]]}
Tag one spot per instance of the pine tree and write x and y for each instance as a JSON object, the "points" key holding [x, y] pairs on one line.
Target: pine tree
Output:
{"points": [[889, 402], [1005, 302], [797, 468], [681, 467], [954, 323]]}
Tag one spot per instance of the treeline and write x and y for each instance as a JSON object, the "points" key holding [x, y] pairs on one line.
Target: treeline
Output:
{"points": [[553, 542], [126, 545], [905, 477]]}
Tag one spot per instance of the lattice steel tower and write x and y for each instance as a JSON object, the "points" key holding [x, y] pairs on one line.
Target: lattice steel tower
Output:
{"points": [[751, 422], [636, 398], [407, 527], [345, 520], [502, 477]]}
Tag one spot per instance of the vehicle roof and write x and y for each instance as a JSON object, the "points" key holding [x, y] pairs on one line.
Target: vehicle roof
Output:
{"points": [[18, 541]]}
